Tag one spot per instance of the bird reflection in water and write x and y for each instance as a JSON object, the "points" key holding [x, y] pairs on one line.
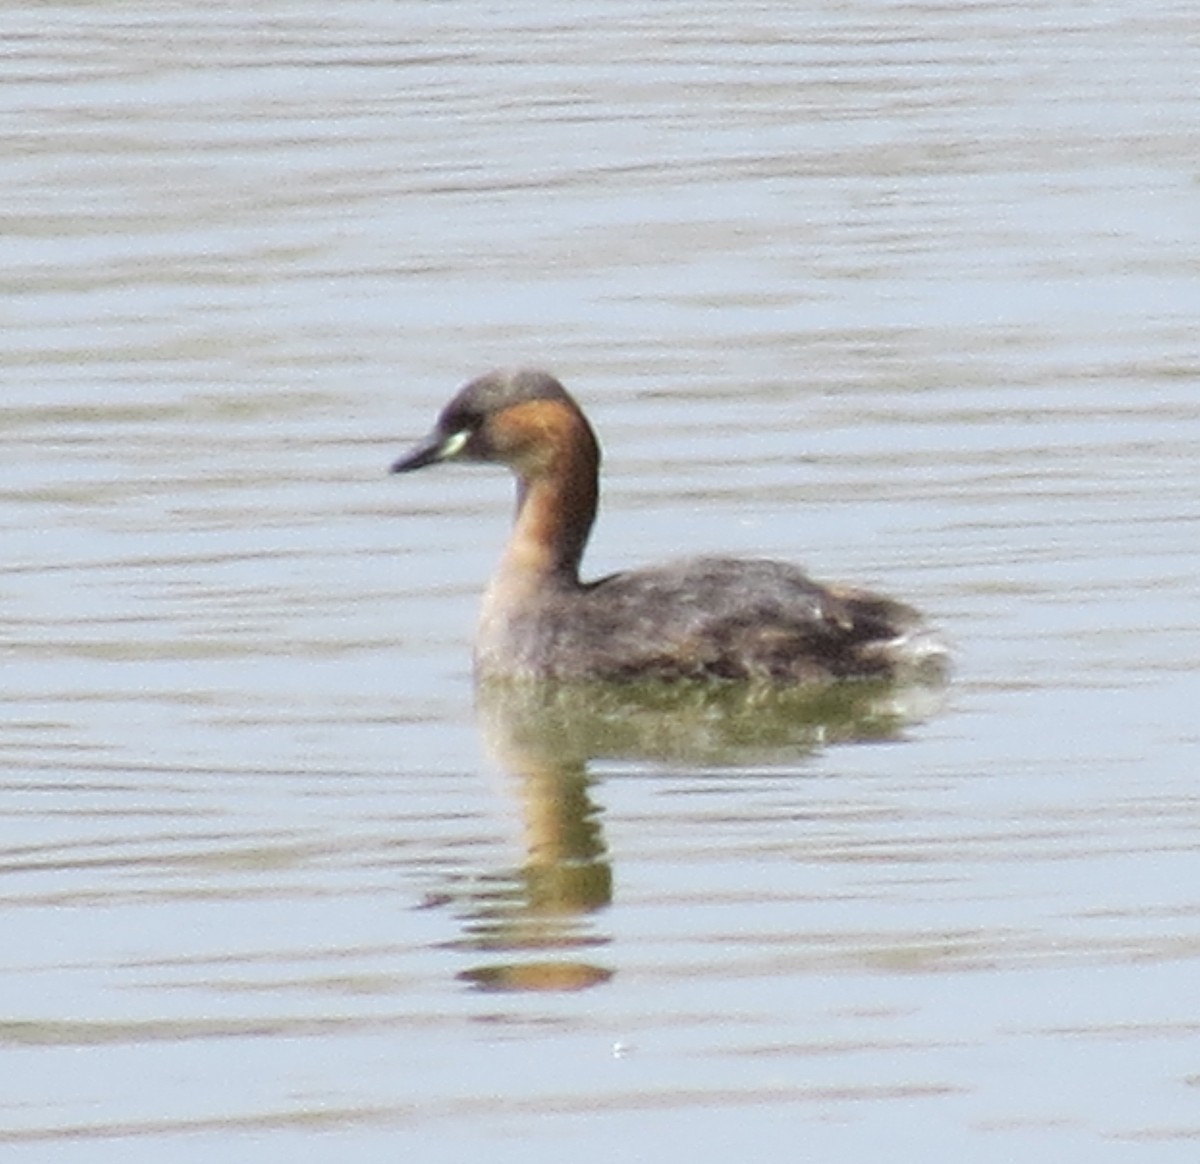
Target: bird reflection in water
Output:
{"points": [[546, 735]]}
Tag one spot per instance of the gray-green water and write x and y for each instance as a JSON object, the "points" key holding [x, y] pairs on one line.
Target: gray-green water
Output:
{"points": [[905, 292]]}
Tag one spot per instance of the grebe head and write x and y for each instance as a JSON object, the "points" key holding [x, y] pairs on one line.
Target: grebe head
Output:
{"points": [[521, 418]]}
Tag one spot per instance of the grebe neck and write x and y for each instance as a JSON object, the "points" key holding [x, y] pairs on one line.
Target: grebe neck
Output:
{"points": [[556, 506]]}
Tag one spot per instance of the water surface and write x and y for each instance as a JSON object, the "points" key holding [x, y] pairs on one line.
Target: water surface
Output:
{"points": [[904, 292]]}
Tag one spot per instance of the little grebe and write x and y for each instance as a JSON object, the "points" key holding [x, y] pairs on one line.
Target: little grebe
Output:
{"points": [[703, 618]]}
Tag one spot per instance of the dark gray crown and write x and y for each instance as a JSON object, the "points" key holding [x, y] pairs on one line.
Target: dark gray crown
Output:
{"points": [[494, 391]]}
